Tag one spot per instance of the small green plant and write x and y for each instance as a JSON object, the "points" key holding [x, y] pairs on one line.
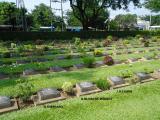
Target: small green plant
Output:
{"points": [[147, 70], [97, 44], [98, 52], [20, 48], [39, 42], [146, 44], [69, 56], [81, 48], [24, 88], [109, 37], [67, 87], [46, 48], [77, 41], [154, 39], [103, 84], [6, 55], [125, 42], [13, 45], [138, 36], [89, 61], [132, 80], [126, 73], [39, 52]]}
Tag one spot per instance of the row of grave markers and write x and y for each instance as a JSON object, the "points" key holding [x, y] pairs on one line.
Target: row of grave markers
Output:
{"points": [[48, 95], [78, 66], [78, 56]]}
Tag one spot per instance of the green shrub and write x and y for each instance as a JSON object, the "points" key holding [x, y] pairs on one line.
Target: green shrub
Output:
{"points": [[98, 52], [126, 73], [110, 37], [69, 56], [13, 45], [132, 80], [125, 42], [148, 70], [138, 36], [6, 55], [77, 41], [46, 48], [154, 39], [89, 61], [39, 52], [24, 88], [39, 42], [20, 48], [146, 44], [67, 87], [103, 84], [97, 44]]}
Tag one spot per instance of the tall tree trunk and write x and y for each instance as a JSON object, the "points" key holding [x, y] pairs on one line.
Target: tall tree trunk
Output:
{"points": [[85, 25]]}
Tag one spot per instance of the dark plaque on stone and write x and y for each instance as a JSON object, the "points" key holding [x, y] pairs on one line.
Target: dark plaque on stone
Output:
{"points": [[41, 60], [86, 86], [129, 52], [29, 72], [99, 63], [116, 61], [61, 57], [143, 76], [5, 102], [22, 61], [48, 93], [150, 50], [148, 57], [56, 69], [79, 66], [3, 76], [117, 80], [133, 59]]}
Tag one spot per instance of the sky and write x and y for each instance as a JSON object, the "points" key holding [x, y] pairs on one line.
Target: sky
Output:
{"points": [[30, 4]]}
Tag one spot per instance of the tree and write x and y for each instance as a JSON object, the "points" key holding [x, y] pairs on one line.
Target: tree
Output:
{"points": [[42, 15], [8, 13], [126, 21], [72, 20], [87, 11], [153, 5], [155, 19], [113, 25]]}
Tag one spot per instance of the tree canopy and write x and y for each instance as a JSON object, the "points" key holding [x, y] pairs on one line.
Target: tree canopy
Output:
{"points": [[87, 11], [42, 15], [153, 5], [126, 21], [7, 13]]}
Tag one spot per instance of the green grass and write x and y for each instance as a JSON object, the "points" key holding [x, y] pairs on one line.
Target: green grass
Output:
{"points": [[142, 104], [57, 79]]}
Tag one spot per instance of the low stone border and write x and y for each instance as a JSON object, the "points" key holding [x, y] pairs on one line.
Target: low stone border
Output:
{"points": [[36, 102], [12, 108]]}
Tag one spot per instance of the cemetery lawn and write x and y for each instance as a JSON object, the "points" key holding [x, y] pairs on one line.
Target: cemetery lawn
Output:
{"points": [[142, 104], [56, 80]]}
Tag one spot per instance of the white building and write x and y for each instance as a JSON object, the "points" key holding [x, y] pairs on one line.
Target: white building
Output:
{"points": [[142, 24]]}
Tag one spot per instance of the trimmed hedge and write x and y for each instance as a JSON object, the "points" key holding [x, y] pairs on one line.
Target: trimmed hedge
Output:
{"points": [[70, 35]]}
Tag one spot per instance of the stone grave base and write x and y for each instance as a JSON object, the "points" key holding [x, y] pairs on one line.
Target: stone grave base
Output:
{"points": [[117, 86], [80, 93], [133, 60], [147, 80], [156, 75], [9, 109], [37, 102]]}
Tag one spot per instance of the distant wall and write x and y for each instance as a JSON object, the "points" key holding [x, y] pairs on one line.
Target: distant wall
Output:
{"points": [[70, 35]]}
